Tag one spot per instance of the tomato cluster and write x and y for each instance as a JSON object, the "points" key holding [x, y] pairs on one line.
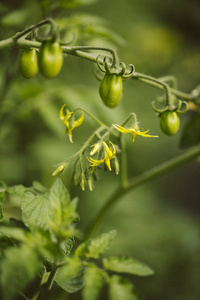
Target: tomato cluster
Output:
{"points": [[169, 122], [110, 89], [49, 60]]}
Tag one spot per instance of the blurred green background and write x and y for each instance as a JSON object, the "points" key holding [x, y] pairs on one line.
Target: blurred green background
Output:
{"points": [[157, 222]]}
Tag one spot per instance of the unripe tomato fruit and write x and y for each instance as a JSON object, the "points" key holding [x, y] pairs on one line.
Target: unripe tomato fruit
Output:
{"points": [[50, 59], [28, 64], [169, 122], [110, 89]]}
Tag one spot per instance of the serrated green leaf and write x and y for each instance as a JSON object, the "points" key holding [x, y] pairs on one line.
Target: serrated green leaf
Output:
{"points": [[191, 132], [68, 272], [14, 233], [2, 198], [35, 211], [59, 197], [18, 267], [120, 288], [75, 283], [100, 244], [62, 211], [126, 265], [93, 281]]}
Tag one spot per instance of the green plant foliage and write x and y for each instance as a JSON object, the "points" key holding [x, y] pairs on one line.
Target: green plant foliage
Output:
{"points": [[70, 271], [120, 288], [126, 265], [93, 281], [35, 211], [100, 244], [19, 267]]}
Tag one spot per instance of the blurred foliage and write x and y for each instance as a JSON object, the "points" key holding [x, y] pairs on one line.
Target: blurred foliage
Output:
{"points": [[157, 222]]}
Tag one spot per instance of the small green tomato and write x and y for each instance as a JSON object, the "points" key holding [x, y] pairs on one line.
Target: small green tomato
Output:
{"points": [[28, 64], [50, 59], [110, 89], [169, 122]]}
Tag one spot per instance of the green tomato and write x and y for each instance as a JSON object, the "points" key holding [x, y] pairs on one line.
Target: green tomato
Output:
{"points": [[28, 64], [169, 122], [50, 59], [110, 89]]}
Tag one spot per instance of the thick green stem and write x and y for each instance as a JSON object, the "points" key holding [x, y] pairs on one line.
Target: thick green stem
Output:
{"points": [[140, 179]]}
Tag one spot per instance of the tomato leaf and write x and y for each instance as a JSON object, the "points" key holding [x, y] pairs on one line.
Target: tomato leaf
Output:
{"points": [[18, 267], [126, 265], [120, 288], [93, 282], [100, 244], [35, 211]]}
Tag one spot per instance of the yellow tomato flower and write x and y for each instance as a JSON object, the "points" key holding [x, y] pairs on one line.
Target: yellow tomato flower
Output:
{"points": [[69, 122], [109, 154], [133, 131]]}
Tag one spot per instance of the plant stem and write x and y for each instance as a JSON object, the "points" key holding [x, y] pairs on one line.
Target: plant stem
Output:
{"points": [[161, 85], [140, 179]]}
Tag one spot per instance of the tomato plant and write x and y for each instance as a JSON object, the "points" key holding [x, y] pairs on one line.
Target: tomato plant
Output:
{"points": [[28, 63], [110, 89], [50, 59], [169, 122]]}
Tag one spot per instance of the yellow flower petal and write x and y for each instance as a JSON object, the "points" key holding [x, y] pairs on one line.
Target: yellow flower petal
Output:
{"points": [[121, 129], [78, 122]]}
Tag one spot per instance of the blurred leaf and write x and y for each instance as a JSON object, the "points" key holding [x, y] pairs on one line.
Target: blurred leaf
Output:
{"points": [[70, 271], [93, 282], [100, 244], [18, 268], [120, 288], [15, 18], [35, 211], [74, 284], [39, 187], [126, 265], [65, 4], [14, 233], [191, 132], [18, 190], [2, 198]]}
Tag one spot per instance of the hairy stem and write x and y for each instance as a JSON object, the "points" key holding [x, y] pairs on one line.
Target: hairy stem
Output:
{"points": [[140, 179]]}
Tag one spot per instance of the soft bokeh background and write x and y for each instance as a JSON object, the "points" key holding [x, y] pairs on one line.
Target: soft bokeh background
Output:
{"points": [[157, 222]]}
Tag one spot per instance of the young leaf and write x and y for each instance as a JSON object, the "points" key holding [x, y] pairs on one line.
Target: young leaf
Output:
{"points": [[120, 288], [68, 272], [34, 211], [93, 282], [62, 211], [18, 267], [100, 244], [126, 265]]}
